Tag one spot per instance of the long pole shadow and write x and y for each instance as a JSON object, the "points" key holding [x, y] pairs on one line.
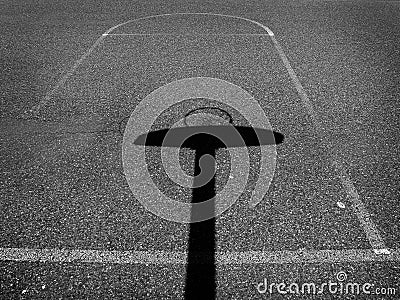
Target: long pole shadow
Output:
{"points": [[201, 266], [201, 271]]}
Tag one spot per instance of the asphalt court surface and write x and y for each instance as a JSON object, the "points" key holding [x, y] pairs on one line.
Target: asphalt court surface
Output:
{"points": [[72, 193], [107, 86]]}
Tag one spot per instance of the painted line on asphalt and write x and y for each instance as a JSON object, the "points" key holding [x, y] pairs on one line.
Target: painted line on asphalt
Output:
{"points": [[186, 34], [270, 33], [35, 109], [370, 229], [363, 216], [167, 257], [60, 83]]}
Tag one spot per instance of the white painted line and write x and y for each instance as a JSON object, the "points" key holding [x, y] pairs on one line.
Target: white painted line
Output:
{"points": [[363, 216], [270, 33], [65, 77], [321, 256], [186, 34], [68, 74], [358, 207], [167, 257], [382, 251], [35, 109]]}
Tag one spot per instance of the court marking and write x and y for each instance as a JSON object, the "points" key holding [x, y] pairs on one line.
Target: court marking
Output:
{"points": [[186, 34], [35, 109], [358, 207], [168, 257], [370, 229]]}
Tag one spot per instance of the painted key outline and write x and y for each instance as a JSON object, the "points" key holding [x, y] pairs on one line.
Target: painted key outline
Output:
{"points": [[372, 233]]}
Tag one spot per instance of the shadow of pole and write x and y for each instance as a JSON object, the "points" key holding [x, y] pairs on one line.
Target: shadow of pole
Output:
{"points": [[201, 266], [200, 271]]}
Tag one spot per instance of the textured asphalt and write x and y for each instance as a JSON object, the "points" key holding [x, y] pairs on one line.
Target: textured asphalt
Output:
{"points": [[62, 184]]}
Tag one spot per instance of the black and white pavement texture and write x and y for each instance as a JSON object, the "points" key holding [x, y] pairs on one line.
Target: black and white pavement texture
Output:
{"points": [[70, 227]]}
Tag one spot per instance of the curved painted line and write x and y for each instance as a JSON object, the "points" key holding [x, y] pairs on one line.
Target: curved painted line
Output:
{"points": [[270, 33], [35, 109]]}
